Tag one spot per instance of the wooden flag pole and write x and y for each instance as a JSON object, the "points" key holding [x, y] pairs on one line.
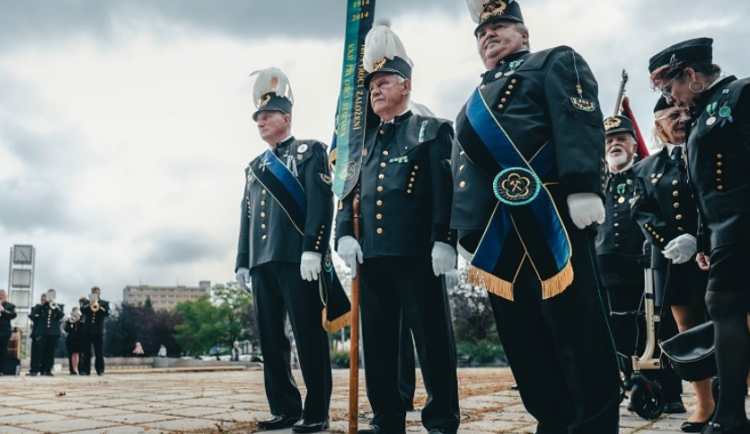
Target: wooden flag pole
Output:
{"points": [[354, 338]]}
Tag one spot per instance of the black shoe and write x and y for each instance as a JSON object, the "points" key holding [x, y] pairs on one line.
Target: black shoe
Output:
{"points": [[303, 426], [437, 431], [694, 426], [631, 407], [717, 428], [278, 422], [100, 373], [674, 407], [32, 374], [47, 374]]}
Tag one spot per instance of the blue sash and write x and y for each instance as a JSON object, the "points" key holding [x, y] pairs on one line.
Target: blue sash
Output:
{"points": [[525, 223], [287, 191]]}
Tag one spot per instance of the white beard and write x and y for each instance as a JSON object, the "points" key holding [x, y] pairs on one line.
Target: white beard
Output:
{"points": [[617, 160]]}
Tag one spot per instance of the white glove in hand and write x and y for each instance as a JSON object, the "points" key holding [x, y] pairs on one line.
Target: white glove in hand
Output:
{"points": [[443, 258], [350, 251], [309, 266], [243, 278], [585, 209], [451, 278], [681, 249]]}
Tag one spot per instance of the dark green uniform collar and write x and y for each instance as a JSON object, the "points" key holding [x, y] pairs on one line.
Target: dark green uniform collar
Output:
{"points": [[503, 64], [702, 99]]}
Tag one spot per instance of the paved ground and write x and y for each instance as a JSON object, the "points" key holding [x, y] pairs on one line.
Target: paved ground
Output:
{"points": [[231, 401]]}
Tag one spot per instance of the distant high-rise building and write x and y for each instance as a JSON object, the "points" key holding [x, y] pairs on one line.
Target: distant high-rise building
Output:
{"points": [[164, 297]]}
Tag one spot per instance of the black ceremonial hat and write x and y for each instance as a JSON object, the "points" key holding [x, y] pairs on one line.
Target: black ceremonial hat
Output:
{"points": [[272, 102], [384, 52], [272, 92], [618, 124], [695, 50], [486, 11], [662, 104]]}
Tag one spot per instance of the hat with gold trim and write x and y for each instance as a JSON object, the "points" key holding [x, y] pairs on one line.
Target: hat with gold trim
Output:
{"points": [[384, 52], [618, 124], [486, 11], [272, 92]]}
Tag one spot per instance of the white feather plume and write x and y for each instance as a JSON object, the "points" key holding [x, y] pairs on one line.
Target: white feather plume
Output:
{"points": [[381, 42], [271, 80], [420, 109]]}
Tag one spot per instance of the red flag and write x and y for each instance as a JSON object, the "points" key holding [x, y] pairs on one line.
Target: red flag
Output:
{"points": [[626, 111]]}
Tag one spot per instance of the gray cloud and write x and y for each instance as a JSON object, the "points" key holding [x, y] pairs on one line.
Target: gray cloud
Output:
{"points": [[39, 21], [170, 247]]}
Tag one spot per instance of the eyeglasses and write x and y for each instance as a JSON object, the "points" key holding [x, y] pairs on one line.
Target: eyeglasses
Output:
{"points": [[672, 116], [666, 90]]}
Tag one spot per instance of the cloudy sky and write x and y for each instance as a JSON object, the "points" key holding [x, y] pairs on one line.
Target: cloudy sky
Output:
{"points": [[125, 124]]}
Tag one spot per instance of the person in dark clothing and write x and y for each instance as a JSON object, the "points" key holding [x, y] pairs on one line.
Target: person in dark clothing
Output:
{"points": [[95, 313], [36, 336], [50, 316], [7, 313], [74, 339]]}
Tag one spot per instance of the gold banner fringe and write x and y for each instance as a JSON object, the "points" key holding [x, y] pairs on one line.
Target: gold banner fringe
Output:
{"points": [[337, 324], [558, 283], [493, 284]]}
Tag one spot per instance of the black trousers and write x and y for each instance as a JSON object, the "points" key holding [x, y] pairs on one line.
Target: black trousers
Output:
{"points": [[97, 342], [406, 368], [279, 289], [390, 285], [49, 345], [3, 350], [560, 349], [630, 337], [36, 355]]}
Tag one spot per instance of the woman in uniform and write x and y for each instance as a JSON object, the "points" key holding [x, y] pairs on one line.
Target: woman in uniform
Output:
{"points": [[666, 213], [718, 151]]}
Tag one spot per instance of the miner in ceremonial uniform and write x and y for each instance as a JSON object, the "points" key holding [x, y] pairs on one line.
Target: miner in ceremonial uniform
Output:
{"points": [[619, 248], [95, 313], [527, 170], [50, 316], [718, 157], [665, 211], [35, 364], [283, 255], [404, 188]]}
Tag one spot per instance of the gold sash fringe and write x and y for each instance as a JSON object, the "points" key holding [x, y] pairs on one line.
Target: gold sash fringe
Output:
{"points": [[504, 289], [337, 324], [493, 284], [558, 283]]}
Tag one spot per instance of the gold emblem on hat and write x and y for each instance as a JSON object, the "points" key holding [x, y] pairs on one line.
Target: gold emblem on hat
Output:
{"points": [[612, 122], [378, 65], [265, 100], [493, 8]]}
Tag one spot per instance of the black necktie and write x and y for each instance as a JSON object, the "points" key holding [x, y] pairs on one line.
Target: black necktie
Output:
{"points": [[677, 154]]}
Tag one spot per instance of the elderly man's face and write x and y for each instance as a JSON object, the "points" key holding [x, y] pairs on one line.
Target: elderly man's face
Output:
{"points": [[272, 125], [388, 96], [498, 39], [619, 148]]}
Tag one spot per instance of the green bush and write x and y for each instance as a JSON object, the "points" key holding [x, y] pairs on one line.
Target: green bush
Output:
{"points": [[340, 358], [481, 352]]}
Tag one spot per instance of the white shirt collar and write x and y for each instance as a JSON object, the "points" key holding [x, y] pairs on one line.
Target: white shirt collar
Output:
{"points": [[624, 168], [671, 146], [394, 118]]}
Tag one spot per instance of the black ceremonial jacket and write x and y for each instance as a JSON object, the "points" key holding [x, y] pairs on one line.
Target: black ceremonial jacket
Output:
{"points": [[619, 241], [5, 316], [94, 321], [266, 232], [718, 163], [534, 105], [405, 188], [664, 207], [49, 320]]}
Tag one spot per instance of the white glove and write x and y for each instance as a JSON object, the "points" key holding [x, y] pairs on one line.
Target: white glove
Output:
{"points": [[443, 258], [681, 249], [585, 209], [243, 278], [350, 251], [309, 266], [451, 278]]}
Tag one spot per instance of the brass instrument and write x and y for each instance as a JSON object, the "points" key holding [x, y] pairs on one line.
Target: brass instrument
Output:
{"points": [[95, 306]]}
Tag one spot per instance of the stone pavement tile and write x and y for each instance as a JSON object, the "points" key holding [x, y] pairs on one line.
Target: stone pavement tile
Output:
{"points": [[204, 401], [669, 423], [517, 408], [495, 426], [5, 429], [153, 407], [117, 402], [57, 406], [125, 429], [478, 403], [26, 419], [194, 411], [137, 418], [235, 416], [517, 417], [68, 425], [185, 424], [11, 411], [94, 413], [633, 422], [165, 398]]}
